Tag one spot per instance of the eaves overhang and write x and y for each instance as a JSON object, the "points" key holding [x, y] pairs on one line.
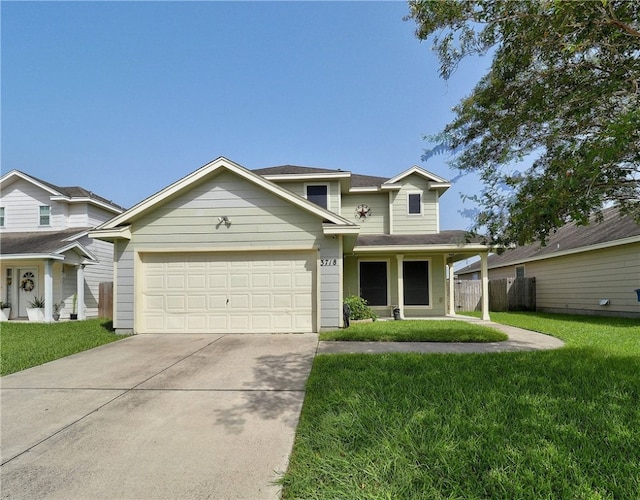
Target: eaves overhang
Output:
{"points": [[117, 233], [331, 229]]}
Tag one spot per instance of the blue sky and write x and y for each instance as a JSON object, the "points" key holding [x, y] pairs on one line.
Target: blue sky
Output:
{"points": [[124, 98]]}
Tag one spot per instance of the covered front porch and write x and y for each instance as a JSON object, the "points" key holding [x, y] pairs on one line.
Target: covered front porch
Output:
{"points": [[410, 273], [43, 267]]}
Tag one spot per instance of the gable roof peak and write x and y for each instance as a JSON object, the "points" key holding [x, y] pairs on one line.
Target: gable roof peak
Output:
{"points": [[69, 192]]}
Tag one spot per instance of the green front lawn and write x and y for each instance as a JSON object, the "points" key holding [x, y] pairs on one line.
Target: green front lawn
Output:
{"points": [[23, 345], [547, 424], [416, 331]]}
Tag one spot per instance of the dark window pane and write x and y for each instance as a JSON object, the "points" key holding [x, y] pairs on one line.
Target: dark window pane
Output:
{"points": [[414, 203], [415, 275], [317, 195], [373, 283]]}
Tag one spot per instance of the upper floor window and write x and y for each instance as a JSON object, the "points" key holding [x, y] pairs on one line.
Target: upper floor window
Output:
{"points": [[45, 215], [414, 203], [520, 272], [318, 194], [1, 216]]}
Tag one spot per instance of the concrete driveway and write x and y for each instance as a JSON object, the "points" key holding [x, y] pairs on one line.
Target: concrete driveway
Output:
{"points": [[156, 416]]}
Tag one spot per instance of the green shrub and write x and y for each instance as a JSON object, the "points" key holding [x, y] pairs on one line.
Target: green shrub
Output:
{"points": [[359, 308]]}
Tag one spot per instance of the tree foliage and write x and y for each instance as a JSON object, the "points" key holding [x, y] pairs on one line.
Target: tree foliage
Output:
{"points": [[563, 92]]}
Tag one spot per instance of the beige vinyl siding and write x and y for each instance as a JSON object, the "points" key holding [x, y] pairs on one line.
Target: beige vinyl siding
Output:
{"points": [[299, 188], [427, 222], [503, 272], [378, 223], [123, 299], [330, 303], [576, 283], [191, 220]]}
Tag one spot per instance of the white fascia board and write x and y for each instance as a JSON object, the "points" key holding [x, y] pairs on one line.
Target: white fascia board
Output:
{"points": [[81, 250], [390, 187], [88, 200], [439, 185], [320, 176], [331, 229], [31, 256], [28, 178], [118, 233], [421, 248], [420, 171], [563, 253], [208, 169], [372, 189]]}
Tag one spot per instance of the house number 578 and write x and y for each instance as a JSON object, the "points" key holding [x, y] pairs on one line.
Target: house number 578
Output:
{"points": [[328, 262]]}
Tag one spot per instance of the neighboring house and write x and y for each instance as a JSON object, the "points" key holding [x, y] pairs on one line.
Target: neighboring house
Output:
{"points": [[226, 249], [593, 269], [45, 250]]}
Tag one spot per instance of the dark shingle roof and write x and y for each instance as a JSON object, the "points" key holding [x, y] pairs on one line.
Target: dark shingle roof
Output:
{"points": [[452, 237], [357, 180], [37, 242], [293, 169], [74, 191], [569, 237]]}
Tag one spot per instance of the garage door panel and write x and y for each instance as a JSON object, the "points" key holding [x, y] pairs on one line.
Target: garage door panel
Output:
{"points": [[260, 301], [196, 303], [239, 292], [175, 282]]}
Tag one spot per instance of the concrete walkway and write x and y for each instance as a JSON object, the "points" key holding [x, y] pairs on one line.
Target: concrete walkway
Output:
{"points": [[156, 416], [519, 340]]}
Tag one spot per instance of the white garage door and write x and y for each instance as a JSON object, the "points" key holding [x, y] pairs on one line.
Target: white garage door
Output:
{"points": [[227, 292]]}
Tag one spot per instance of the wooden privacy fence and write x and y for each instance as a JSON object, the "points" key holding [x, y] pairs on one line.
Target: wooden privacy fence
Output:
{"points": [[105, 300], [508, 294]]}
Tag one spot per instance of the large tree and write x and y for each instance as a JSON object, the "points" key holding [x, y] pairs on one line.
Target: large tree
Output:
{"points": [[562, 93]]}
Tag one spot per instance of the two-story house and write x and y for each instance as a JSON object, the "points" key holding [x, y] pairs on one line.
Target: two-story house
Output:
{"points": [[45, 251], [226, 249]]}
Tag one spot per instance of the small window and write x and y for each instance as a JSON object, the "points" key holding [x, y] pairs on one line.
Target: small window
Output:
{"points": [[318, 195], [373, 282], [45, 215], [2, 216], [414, 203], [520, 272]]}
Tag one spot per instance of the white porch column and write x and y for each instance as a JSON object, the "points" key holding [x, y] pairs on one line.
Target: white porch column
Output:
{"points": [[452, 302], [400, 285], [48, 291], [80, 291], [484, 274]]}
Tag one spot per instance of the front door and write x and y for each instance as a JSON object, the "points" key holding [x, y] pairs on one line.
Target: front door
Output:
{"points": [[27, 289]]}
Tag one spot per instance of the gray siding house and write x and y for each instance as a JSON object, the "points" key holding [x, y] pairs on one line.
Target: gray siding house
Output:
{"points": [[227, 249], [592, 269], [46, 252]]}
